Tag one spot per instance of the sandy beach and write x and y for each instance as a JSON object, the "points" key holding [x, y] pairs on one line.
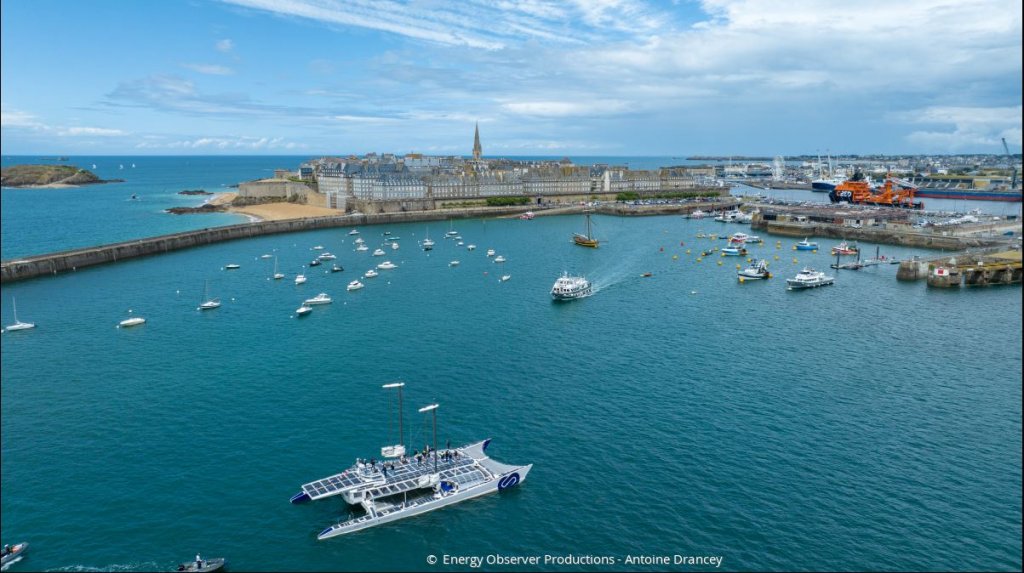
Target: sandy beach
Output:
{"points": [[274, 211]]}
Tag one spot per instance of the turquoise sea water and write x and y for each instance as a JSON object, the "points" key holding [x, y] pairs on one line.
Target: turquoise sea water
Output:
{"points": [[868, 425]]}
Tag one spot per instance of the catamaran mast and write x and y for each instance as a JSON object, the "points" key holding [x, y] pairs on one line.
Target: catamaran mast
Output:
{"points": [[433, 408], [398, 385]]}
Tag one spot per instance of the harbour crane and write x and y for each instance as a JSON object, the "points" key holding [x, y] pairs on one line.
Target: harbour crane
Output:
{"points": [[1009, 161]]}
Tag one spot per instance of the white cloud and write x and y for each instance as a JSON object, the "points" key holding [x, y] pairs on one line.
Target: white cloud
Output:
{"points": [[90, 131], [225, 45], [566, 108], [971, 127], [210, 69], [17, 118], [223, 143]]}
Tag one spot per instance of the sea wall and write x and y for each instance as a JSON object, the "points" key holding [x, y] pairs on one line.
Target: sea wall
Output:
{"points": [[65, 261]]}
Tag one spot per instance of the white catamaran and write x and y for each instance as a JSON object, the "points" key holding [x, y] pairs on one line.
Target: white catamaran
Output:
{"points": [[404, 486]]}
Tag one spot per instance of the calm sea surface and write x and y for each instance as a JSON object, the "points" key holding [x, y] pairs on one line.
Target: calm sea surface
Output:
{"points": [[868, 425]]}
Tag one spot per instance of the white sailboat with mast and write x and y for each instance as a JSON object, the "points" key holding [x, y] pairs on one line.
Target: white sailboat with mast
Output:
{"points": [[277, 274], [208, 303], [18, 325], [407, 486]]}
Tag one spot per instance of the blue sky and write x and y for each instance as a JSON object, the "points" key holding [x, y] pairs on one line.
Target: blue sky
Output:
{"points": [[586, 77]]}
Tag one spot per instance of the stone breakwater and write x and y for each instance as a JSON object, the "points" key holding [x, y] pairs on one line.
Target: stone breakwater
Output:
{"points": [[68, 261]]}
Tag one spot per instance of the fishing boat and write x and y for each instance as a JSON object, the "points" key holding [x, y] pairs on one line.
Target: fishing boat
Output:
{"points": [[739, 238], [355, 285], [387, 265], [17, 550], [321, 298], [207, 302], [303, 310], [370, 274], [845, 249], [201, 565], [277, 275], [586, 240], [570, 287], [405, 486], [18, 325], [806, 245], [809, 278], [757, 270], [300, 278]]}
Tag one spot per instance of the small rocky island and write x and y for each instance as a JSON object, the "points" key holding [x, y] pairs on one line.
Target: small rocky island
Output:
{"points": [[194, 192], [204, 208], [49, 176]]}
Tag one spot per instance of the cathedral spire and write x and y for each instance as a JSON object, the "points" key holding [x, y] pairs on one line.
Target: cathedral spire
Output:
{"points": [[476, 143]]}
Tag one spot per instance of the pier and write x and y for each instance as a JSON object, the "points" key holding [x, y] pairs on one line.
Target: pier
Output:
{"points": [[982, 268]]}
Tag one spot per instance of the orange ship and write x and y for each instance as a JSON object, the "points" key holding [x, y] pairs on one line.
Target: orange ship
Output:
{"points": [[892, 194]]}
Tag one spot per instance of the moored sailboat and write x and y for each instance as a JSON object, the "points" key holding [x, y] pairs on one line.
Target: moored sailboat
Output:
{"points": [[587, 240]]}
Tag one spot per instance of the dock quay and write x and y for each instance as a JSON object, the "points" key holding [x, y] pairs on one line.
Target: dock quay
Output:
{"points": [[882, 225], [970, 268]]}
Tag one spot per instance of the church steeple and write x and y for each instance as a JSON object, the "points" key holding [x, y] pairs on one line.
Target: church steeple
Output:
{"points": [[476, 143]]}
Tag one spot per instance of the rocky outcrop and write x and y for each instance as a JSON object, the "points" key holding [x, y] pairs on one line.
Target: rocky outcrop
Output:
{"points": [[42, 175]]}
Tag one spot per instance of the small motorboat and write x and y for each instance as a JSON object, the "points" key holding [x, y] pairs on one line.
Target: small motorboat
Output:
{"points": [[362, 248], [299, 279], [734, 251], [378, 252], [499, 259], [314, 263], [133, 321], [645, 275], [490, 252], [318, 248], [321, 298], [355, 285], [370, 274], [13, 553], [325, 256], [266, 256], [387, 265], [232, 266], [353, 232], [336, 269], [505, 278], [394, 246], [806, 245], [303, 310], [359, 241], [453, 264], [203, 565]]}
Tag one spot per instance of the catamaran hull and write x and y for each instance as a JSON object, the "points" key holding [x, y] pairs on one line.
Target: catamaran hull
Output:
{"points": [[498, 483]]}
